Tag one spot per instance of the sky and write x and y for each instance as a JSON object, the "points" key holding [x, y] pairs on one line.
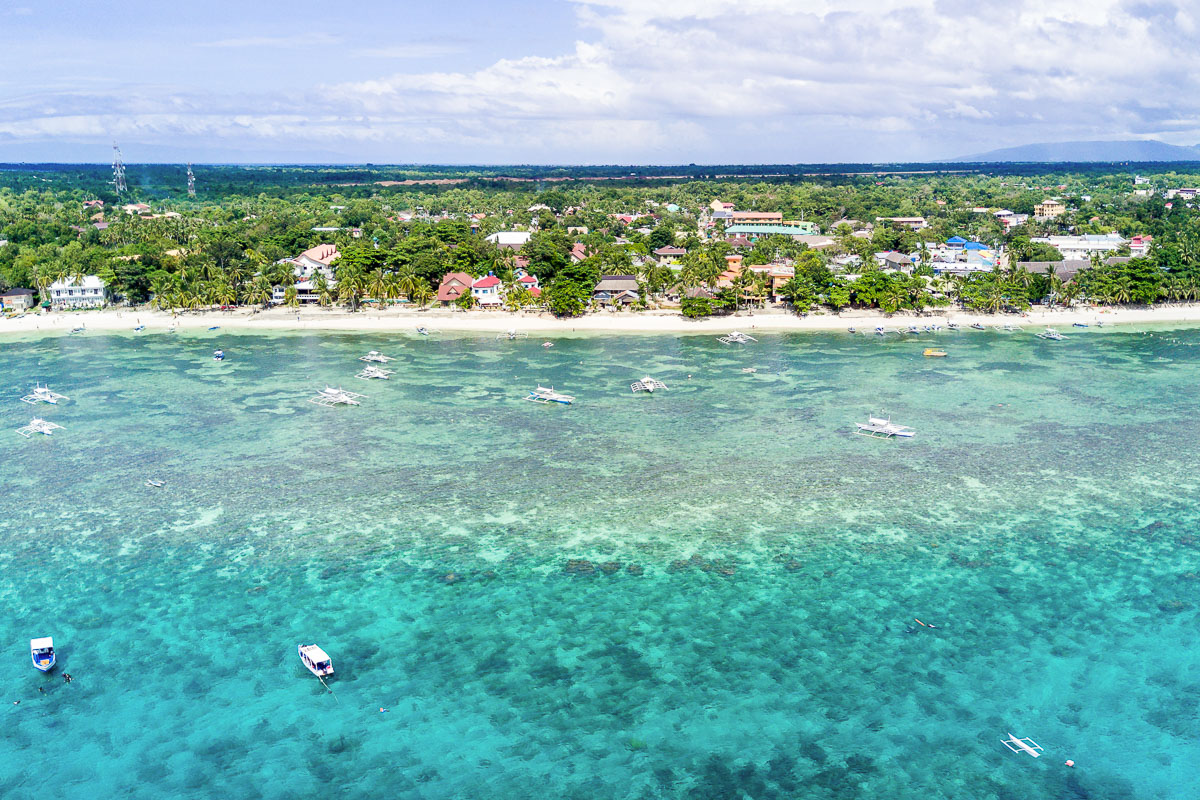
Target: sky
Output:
{"points": [[589, 81]]}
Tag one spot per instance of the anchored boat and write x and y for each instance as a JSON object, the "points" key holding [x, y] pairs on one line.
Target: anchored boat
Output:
{"points": [[933, 352], [1051, 334], [647, 384], [37, 425], [878, 428], [42, 653], [218, 355], [336, 397], [736, 337], [543, 395], [42, 394], [317, 660]]}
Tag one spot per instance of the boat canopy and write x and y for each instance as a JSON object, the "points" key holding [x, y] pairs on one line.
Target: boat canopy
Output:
{"points": [[46, 642]]}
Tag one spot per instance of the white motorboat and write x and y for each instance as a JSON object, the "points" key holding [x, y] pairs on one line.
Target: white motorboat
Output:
{"points": [[218, 355], [647, 384], [42, 394], [39, 426], [880, 428], [155, 484], [315, 659], [42, 652], [543, 395], [329, 397], [736, 337], [1050, 334]]}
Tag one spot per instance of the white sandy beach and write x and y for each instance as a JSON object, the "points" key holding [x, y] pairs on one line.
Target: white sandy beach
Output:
{"points": [[125, 319]]}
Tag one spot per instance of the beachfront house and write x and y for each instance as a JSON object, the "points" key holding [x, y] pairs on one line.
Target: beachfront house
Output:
{"points": [[307, 268], [1084, 247], [486, 292], [88, 292], [616, 290], [16, 299], [453, 286]]}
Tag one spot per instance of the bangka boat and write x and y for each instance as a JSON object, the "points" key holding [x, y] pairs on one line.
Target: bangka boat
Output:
{"points": [[1008, 327], [933, 352], [1051, 334], [547, 344], [977, 326], [952, 326], [42, 394], [140, 328], [78, 329], [913, 329], [214, 327], [1080, 325], [883, 429], [155, 484], [1025, 745], [512, 333], [172, 329], [423, 331], [375, 356], [315, 659], [750, 370], [371, 371], [647, 384], [218, 355], [851, 329], [543, 395], [879, 331], [736, 337], [38, 426], [42, 652], [329, 397]]}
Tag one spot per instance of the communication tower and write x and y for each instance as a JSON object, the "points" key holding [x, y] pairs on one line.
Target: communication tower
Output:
{"points": [[118, 171]]}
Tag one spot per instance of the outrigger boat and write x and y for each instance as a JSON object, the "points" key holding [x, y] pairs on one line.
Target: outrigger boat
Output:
{"points": [[42, 394], [879, 331], [913, 329], [736, 337], [1080, 325], [79, 329], [140, 328], [330, 397], [851, 329], [1025, 745], [883, 429], [543, 395], [218, 355], [315, 659], [977, 326], [647, 384], [547, 344], [370, 371], [42, 653], [423, 331], [375, 356], [952, 326], [155, 484], [214, 327], [38, 426], [1051, 334], [512, 333]]}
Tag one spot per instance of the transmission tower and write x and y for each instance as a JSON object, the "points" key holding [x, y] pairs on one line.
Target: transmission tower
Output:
{"points": [[191, 182], [118, 170]]}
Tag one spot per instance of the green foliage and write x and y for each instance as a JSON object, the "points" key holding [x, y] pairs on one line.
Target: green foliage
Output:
{"points": [[696, 307]]}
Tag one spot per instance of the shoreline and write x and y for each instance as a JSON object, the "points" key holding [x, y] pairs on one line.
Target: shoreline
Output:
{"points": [[625, 322]]}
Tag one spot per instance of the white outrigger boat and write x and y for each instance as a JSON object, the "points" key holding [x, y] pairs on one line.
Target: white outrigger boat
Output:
{"points": [[512, 333], [1051, 334], [543, 395], [952, 326], [37, 425], [371, 371], [647, 384], [42, 652], [42, 394], [376, 357], [153, 484], [878, 428], [879, 331], [736, 337], [329, 397], [79, 329], [317, 660], [1025, 745]]}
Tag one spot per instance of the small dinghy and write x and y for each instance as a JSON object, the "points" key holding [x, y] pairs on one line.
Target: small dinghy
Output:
{"points": [[218, 355], [317, 660], [155, 484], [1080, 324], [42, 653], [214, 327]]}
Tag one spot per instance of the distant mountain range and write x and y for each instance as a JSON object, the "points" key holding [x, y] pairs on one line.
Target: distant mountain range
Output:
{"points": [[1132, 150]]}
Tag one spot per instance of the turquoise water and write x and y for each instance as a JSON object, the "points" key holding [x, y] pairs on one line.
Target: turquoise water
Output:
{"points": [[707, 592]]}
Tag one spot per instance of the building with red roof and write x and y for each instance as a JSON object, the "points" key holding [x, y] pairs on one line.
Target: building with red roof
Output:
{"points": [[453, 286]]}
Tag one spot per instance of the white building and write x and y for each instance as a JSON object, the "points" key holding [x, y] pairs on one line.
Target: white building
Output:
{"points": [[486, 291], [306, 267], [1075, 248], [514, 240], [87, 293]]}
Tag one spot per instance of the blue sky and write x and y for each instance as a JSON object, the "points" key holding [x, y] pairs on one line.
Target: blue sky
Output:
{"points": [[589, 81]]}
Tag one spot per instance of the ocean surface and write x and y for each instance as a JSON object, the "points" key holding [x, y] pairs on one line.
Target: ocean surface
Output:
{"points": [[710, 592]]}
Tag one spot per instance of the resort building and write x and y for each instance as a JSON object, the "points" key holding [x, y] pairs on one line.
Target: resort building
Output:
{"points": [[1065, 270], [1139, 246], [89, 292], [509, 240], [453, 286], [486, 291], [757, 216], [136, 208], [616, 290], [1084, 247], [307, 267], [669, 255], [916, 223], [1049, 209], [16, 299], [756, 230]]}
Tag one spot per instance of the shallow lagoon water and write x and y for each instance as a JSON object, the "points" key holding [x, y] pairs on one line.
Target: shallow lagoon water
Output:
{"points": [[707, 592]]}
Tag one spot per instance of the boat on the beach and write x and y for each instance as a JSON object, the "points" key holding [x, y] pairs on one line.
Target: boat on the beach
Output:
{"points": [[913, 329], [38, 426], [933, 352], [736, 337], [330, 397], [1025, 745], [851, 329], [879, 428], [1080, 325], [952, 326], [155, 484], [647, 384], [423, 331], [543, 395], [977, 326], [214, 327], [376, 357], [1051, 334], [879, 331], [512, 333], [315, 659], [218, 355], [371, 372], [140, 328], [42, 394], [78, 329], [42, 652]]}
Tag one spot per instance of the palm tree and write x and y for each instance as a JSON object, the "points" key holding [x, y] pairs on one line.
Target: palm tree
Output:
{"points": [[422, 295], [407, 281], [351, 285], [259, 291], [290, 297], [380, 287]]}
